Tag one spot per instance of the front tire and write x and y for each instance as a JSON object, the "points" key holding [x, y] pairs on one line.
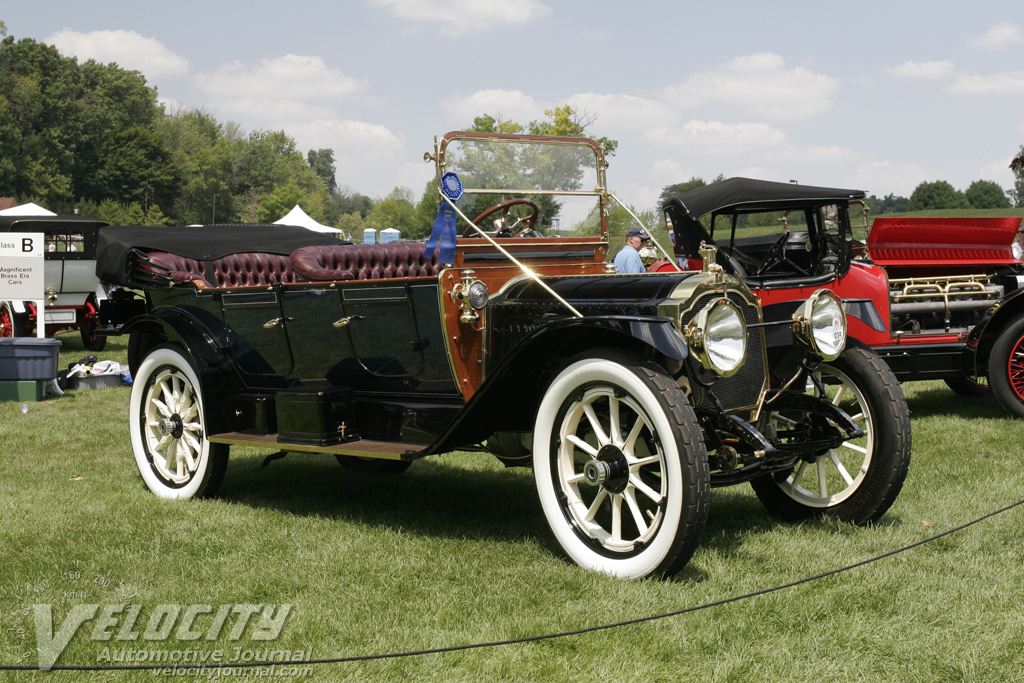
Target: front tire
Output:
{"points": [[620, 466], [860, 480], [168, 428], [1006, 369]]}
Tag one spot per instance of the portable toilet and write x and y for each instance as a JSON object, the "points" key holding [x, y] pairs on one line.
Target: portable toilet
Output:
{"points": [[389, 235], [369, 236]]}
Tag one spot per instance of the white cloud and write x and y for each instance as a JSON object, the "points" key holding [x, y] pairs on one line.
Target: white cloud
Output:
{"points": [[460, 17], [625, 111], [128, 49], [714, 138], [762, 84], [884, 177], [930, 71], [295, 78], [998, 37], [1006, 83], [509, 105]]}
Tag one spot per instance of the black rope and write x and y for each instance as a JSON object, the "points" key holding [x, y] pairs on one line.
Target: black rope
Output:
{"points": [[527, 639]]}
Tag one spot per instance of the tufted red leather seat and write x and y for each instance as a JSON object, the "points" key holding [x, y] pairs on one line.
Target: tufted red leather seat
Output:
{"points": [[181, 269], [363, 261], [246, 269], [252, 269]]}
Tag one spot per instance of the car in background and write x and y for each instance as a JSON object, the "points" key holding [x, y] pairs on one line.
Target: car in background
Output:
{"points": [[73, 292], [935, 298]]}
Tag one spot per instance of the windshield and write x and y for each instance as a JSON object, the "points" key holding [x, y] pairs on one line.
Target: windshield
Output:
{"points": [[553, 186]]}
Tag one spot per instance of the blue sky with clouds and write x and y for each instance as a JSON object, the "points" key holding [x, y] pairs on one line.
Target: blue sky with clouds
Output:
{"points": [[876, 95]]}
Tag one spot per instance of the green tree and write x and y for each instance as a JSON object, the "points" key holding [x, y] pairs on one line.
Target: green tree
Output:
{"points": [[930, 196], [203, 156], [985, 194], [890, 203], [284, 198], [352, 226], [134, 166], [322, 163], [347, 200], [1017, 166], [396, 211]]}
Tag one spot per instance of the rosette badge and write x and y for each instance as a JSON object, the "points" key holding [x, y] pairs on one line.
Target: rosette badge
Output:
{"points": [[451, 186]]}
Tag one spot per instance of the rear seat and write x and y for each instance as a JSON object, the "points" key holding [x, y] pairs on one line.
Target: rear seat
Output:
{"points": [[364, 261], [317, 264], [246, 269]]}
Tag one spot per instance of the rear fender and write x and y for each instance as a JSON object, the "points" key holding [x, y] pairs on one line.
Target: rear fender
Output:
{"points": [[206, 349]]}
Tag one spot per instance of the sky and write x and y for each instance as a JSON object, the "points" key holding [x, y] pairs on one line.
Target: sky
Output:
{"points": [[877, 96]]}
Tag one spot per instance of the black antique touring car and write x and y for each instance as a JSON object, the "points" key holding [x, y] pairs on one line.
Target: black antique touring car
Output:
{"points": [[629, 395]]}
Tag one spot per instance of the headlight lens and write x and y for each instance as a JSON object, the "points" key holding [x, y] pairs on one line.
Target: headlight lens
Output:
{"points": [[820, 323], [718, 335]]}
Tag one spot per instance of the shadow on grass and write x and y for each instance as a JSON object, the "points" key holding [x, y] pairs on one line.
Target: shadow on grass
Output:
{"points": [[940, 401], [445, 500], [432, 498]]}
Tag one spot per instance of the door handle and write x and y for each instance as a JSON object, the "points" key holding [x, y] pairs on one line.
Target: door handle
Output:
{"points": [[276, 321], [346, 320]]}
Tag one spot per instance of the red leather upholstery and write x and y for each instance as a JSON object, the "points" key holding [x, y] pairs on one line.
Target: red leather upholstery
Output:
{"points": [[364, 261], [246, 269], [181, 269], [252, 269]]}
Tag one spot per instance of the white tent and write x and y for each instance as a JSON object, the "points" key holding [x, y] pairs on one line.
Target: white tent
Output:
{"points": [[29, 209], [299, 217]]}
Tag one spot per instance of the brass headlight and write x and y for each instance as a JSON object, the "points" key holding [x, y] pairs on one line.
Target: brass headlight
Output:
{"points": [[718, 337], [820, 323]]}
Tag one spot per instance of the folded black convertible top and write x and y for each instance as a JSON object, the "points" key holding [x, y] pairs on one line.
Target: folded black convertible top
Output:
{"points": [[200, 242]]}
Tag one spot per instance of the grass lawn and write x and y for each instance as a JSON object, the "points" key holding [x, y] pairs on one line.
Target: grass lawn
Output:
{"points": [[456, 551]]}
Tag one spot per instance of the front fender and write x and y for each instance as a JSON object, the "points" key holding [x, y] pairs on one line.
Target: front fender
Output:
{"points": [[984, 334], [508, 398]]}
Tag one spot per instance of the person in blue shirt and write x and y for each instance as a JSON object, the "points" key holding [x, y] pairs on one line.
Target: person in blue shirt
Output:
{"points": [[628, 258]]}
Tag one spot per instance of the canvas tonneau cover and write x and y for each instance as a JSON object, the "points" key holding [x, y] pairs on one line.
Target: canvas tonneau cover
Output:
{"points": [[749, 194], [200, 242], [958, 241]]}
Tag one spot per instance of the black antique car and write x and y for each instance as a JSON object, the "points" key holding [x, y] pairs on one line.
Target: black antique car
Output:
{"points": [[630, 396]]}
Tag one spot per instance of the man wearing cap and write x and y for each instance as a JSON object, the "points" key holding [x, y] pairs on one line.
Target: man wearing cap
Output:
{"points": [[628, 258]]}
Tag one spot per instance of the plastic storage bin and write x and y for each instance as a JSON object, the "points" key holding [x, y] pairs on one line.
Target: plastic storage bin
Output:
{"points": [[28, 358]]}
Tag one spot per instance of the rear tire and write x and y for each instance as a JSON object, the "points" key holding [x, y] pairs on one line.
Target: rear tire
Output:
{"points": [[168, 428], [965, 386], [620, 466], [1006, 369]]}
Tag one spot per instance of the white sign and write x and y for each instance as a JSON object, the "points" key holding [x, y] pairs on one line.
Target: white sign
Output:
{"points": [[22, 268]]}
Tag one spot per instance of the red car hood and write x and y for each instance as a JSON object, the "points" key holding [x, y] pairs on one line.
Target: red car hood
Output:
{"points": [[942, 241]]}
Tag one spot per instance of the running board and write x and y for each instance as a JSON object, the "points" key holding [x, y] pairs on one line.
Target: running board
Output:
{"points": [[363, 448]]}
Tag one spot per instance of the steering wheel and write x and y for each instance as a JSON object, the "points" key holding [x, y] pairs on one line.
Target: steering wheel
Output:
{"points": [[504, 208], [776, 254]]}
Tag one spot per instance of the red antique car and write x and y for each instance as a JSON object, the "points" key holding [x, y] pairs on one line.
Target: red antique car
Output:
{"points": [[936, 298]]}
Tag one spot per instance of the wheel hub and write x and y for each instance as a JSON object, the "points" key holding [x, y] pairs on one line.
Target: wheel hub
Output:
{"points": [[610, 469], [171, 425]]}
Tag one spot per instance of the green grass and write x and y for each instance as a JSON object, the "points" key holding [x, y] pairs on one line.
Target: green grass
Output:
{"points": [[456, 551]]}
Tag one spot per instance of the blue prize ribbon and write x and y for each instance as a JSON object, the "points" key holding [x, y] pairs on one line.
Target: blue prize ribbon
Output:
{"points": [[444, 225]]}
